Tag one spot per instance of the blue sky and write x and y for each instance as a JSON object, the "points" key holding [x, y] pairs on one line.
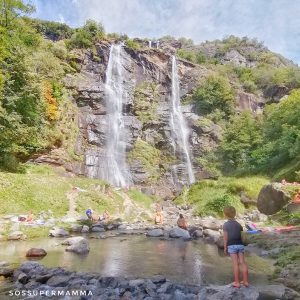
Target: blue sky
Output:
{"points": [[275, 22]]}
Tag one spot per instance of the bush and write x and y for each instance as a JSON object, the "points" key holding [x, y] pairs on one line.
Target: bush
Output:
{"points": [[216, 206], [132, 44], [215, 93]]}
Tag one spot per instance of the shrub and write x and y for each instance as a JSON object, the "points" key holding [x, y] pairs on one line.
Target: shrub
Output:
{"points": [[215, 93]]}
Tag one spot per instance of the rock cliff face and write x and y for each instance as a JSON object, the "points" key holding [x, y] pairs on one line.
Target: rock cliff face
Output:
{"points": [[147, 90]]}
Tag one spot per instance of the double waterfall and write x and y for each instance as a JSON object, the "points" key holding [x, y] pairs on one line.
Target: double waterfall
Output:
{"points": [[115, 169]]}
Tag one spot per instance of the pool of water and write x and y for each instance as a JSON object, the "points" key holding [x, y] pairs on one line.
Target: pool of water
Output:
{"points": [[193, 262]]}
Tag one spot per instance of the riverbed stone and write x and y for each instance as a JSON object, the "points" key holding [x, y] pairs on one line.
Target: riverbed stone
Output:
{"points": [[58, 232], [23, 278], [179, 233], [98, 229], [59, 281], [155, 232], [214, 292], [211, 235], [76, 228], [6, 271], [211, 223], [79, 246], [16, 235], [36, 252], [85, 229]]}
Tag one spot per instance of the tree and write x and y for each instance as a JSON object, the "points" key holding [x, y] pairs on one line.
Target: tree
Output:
{"points": [[11, 9], [214, 94]]}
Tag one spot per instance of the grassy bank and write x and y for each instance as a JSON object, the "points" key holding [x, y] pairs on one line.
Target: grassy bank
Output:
{"points": [[43, 188], [210, 196]]}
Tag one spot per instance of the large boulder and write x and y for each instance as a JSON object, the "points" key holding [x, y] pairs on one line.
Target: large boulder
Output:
{"points": [[36, 252], [211, 235], [179, 233], [58, 232], [272, 198], [77, 245], [155, 232], [211, 223], [16, 235], [214, 292]]}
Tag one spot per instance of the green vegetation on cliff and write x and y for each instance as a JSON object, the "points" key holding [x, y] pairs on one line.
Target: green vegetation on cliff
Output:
{"points": [[210, 196]]}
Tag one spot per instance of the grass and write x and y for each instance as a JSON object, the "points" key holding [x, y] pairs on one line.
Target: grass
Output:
{"points": [[41, 188], [210, 196], [141, 198]]}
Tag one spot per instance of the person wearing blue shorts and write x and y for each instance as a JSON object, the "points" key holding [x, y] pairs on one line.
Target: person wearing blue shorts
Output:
{"points": [[233, 245]]}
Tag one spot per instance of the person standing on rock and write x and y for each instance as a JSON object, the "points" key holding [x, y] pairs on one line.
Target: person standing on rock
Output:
{"points": [[182, 223], [233, 245]]}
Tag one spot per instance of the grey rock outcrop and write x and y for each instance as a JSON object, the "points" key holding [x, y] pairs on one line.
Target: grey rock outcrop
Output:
{"points": [[179, 233], [58, 232], [155, 232], [77, 245], [272, 198]]}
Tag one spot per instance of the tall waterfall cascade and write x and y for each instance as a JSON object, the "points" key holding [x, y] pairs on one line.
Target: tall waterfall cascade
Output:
{"points": [[116, 172], [109, 163], [179, 129]]}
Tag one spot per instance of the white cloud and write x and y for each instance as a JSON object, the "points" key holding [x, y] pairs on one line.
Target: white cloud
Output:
{"points": [[276, 22]]}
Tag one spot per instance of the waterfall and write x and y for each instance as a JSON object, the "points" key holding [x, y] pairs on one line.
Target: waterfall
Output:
{"points": [[179, 128], [116, 170]]}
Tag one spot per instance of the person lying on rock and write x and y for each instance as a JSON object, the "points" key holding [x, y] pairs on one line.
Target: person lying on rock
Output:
{"points": [[233, 245], [181, 222], [159, 220]]}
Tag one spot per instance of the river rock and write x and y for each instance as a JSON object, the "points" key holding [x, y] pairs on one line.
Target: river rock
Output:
{"points": [[36, 252], [155, 232], [85, 229], [179, 233], [58, 232], [76, 228], [272, 198], [214, 292], [16, 235], [23, 278], [211, 223], [293, 208], [98, 229], [6, 271], [59, 280], [211, 235], [77, 245]]}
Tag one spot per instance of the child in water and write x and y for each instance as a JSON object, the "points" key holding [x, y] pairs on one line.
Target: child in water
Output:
{"points": [[234, 246]]}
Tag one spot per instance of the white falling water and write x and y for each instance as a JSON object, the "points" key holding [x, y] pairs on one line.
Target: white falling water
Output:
{"points": [[180, 130], [116, 171]]}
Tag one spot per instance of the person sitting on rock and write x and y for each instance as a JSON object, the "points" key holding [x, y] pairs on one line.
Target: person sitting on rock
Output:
{"points": [[30, 217], [91, 215], [159, 218], [297, 198], [158, 207], [105, 216], [182, 223]]}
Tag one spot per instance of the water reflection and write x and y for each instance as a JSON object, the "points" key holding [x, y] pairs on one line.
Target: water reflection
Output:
{"points": [[192, 262]]}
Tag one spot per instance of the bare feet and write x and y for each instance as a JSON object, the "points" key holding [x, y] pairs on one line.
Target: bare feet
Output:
{"points": [[246, 284], [236, 285]]}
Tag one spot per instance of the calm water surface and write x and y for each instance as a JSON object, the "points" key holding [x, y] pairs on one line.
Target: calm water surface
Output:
{"points": [[194, 262]]}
